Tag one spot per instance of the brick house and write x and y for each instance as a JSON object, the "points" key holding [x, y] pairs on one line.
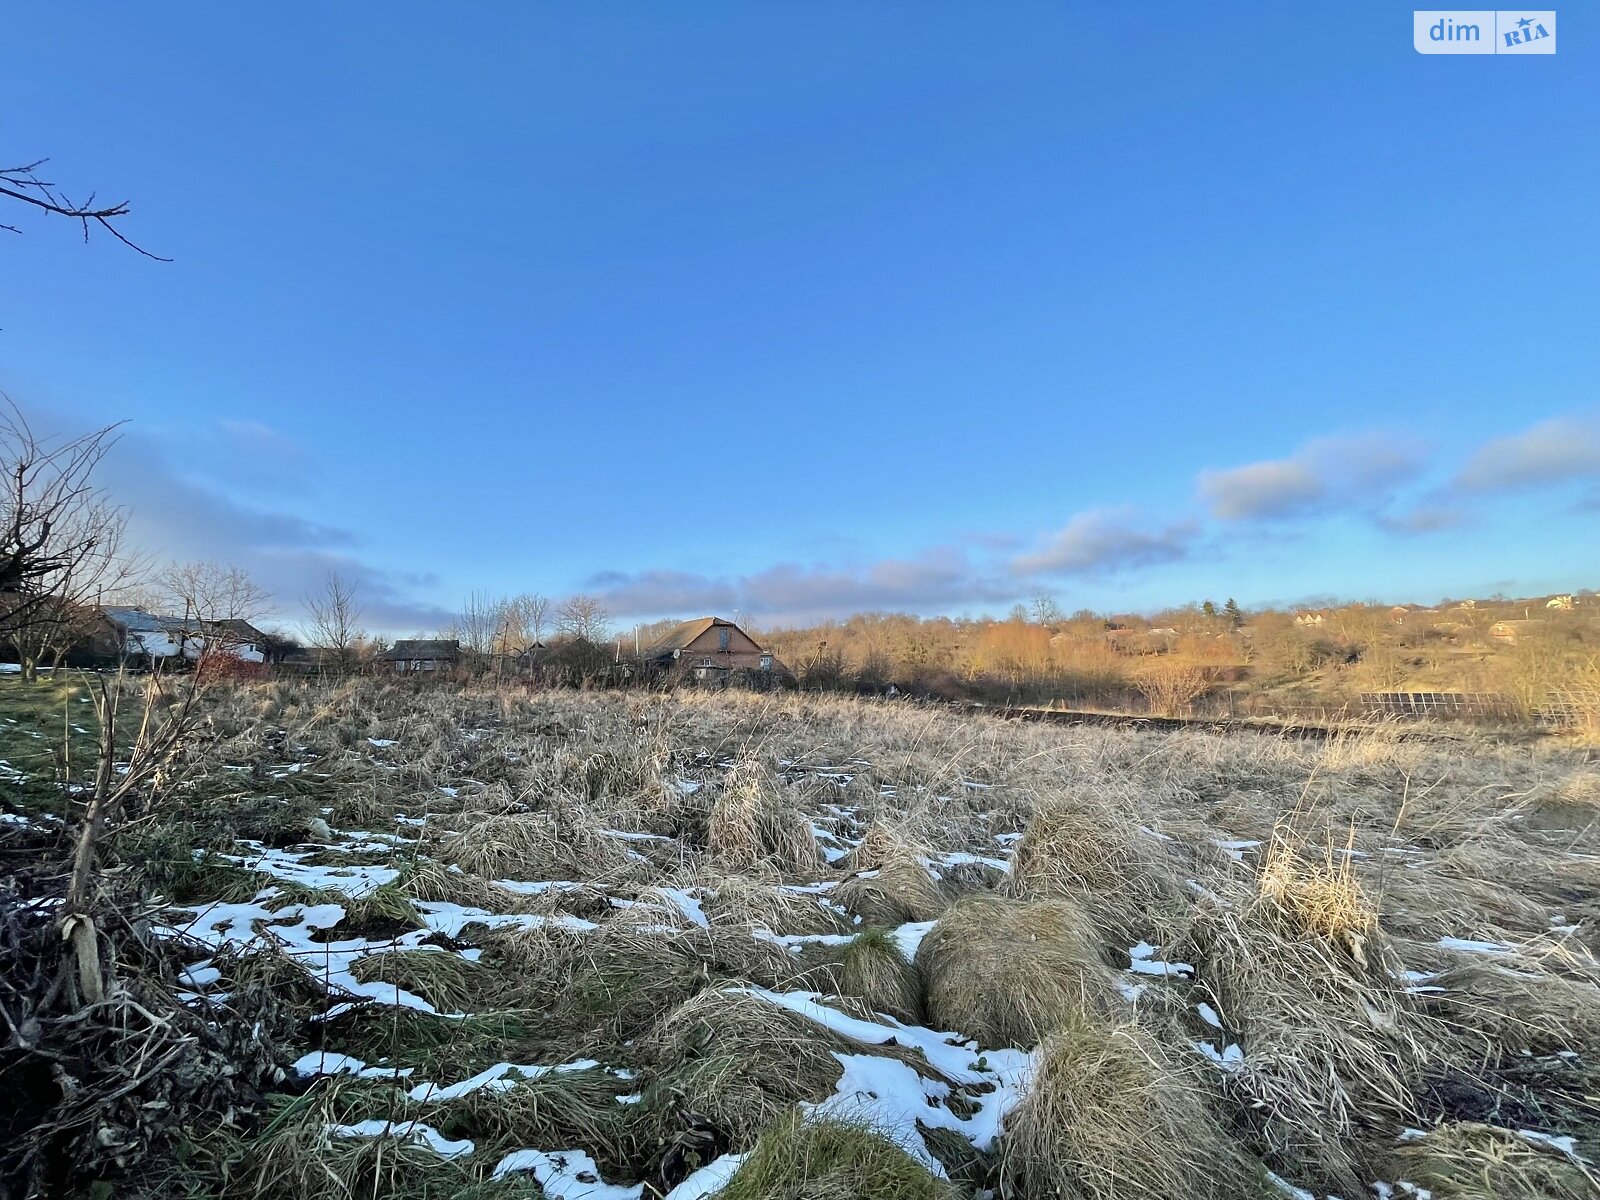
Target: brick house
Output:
{"points": [[711, 650]]}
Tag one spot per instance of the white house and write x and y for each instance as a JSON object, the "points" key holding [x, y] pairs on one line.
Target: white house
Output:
{"points": [[153, 636]]}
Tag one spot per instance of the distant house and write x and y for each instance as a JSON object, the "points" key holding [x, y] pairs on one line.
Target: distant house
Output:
{"points": [[1400, 612], [431, 654], [138, 633], [238, 637], [1510, 631], [1310, 618], [141, 633], [1562, 603], [710, 649]]}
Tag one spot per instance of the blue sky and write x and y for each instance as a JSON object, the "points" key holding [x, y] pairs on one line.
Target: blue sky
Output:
{"points": [[802, 309]]}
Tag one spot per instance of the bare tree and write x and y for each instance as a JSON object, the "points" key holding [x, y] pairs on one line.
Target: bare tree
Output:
{"points": [[476, 625], [60, 537], [209, 595], [584, 617], [1045, 610], [333, 619], [535, 615], [23, 184]]}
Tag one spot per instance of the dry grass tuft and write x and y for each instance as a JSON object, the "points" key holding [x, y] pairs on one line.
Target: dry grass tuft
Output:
{"points": [[296, 1154], [831, 1159], [754, 822], [1331, 1040], [900, 889], [756, 903], [1325, 899], [1083, 850], [871, 968], [1009, 972], [1107, 1117], [535, 846], [879, 840], [741, 1062], [562, 1108], [623, 979], [1469, 1161]]}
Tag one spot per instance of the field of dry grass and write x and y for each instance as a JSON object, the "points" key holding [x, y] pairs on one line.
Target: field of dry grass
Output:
{"points": [[615, 945]]}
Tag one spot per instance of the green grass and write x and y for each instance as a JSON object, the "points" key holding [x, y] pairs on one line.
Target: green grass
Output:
{"points": [[439, 1047], [564, 1108], [446, 981], [36, 720], [797, 1159], [170, 866]]}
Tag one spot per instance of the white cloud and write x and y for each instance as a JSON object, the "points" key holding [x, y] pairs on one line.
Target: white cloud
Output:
{"points": [[1356, 472], [1105, 540], [1553, 451]]}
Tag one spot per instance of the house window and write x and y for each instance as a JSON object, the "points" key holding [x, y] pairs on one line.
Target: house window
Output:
{"points": [[723, 636]]}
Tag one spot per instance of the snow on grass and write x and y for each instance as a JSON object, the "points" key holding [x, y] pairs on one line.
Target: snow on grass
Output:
{"points": [[631, 835], [501, 1077], [686, 903], [1234, 848], [539, 888], [709, 1179], [329, 1062], [1469, 946], [1144, 964], [1289, 1189], [1003, 1070], [909, 936], [957, 858], [1230, 1058], [1561, 1144], [793, 942], [353, 879], [441, 916], [406, 1131], [294, 928], [809, 889], [565, 1175]]}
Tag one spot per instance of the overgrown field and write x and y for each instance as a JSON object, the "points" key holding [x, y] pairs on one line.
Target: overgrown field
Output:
{"points": [[612, 945]]}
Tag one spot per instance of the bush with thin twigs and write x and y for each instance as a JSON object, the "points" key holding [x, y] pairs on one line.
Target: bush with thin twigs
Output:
{"points": [[1170, 689]]}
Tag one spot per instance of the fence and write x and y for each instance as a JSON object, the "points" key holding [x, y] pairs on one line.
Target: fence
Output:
{"points": [[1444, 706]]}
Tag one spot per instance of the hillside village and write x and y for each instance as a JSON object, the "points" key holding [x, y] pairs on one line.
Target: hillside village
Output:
{"points": [[1503, 658]]}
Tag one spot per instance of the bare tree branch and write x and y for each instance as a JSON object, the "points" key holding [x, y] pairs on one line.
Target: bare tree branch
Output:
{"points": [[21, 183]]}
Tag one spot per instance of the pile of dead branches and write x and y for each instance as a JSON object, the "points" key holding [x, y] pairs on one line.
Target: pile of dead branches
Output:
{"points": [[107, 1063]]}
